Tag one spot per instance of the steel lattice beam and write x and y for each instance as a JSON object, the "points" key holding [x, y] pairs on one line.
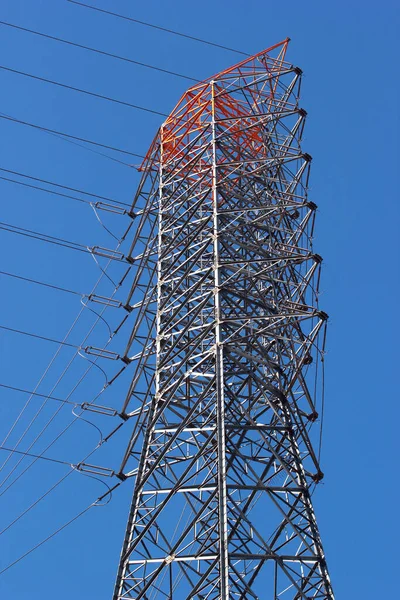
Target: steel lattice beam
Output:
{"points": [[226, 325]]}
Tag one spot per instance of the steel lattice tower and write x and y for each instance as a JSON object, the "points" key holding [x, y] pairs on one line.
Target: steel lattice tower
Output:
{"points": [[226, 326]]}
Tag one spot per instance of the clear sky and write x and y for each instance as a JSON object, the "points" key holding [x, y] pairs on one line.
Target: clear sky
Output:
{"points": [[349, 53]]}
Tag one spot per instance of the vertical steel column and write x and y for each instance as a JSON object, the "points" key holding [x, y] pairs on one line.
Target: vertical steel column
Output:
{"points": [[219, 368]]}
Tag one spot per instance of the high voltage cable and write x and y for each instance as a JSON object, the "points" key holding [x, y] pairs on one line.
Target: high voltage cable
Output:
{"points": [[62, 289], [35, 281], [43, 237], [53, 192], [73, 137], [65, 187], [50, 420], [47, 396], [53, 460], [50, 239], [87, 92], [15, 423], [77, 417], [12, 564], [49, 537], [92, 363], [36, 187], [71, 140], [103, 273], [54, 486], [36, 502], [97, 51], [322, 394], [40, 337], [153, 26]]}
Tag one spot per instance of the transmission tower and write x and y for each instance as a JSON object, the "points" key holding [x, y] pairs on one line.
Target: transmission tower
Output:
{"points": [[225, 337]]}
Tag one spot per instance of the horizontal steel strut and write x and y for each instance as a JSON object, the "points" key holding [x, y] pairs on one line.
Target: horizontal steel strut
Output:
{"points": [[225, 329]]}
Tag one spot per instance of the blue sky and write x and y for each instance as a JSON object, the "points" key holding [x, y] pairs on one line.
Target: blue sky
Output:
{"points": [[349, 54]]}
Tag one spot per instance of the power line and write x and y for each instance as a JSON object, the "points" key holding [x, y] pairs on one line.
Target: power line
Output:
{"points": [[36, 187], [179, 33], [47, 539], [44, 237], [97, 51], [92, 363], [65, 187], [87, 92], [47, 191], [53, 460], [322, 394], [77, 516], [17, 389], [54, 486], [77, 417], [73, 137], [39, 383], [36, 502], [35, 281], [66, 138], [40, 337]]}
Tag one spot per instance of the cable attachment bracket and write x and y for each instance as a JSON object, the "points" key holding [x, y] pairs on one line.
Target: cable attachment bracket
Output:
{"points": [[110, 208], [107, 253], [101, 353], [101, 410], [95, 470], [105, 301]]}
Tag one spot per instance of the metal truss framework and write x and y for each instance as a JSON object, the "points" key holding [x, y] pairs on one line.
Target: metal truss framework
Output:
{"points": [[226, 325]]}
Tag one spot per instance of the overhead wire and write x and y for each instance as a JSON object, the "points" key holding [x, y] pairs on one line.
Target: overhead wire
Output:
{"points": [[30, 465], [71, 140], [12, 564], [48, 191], [77, 417], [36, 502], [73, 469], [40, 337], [62, 289], [41, 380], [82, 308], [52, 238], [52, 488], [73, 137], [98, 51], [49, 366], [66, 428], [38, 188], [57, 531], [82, 91], [54, 387], [52, 390], [65, 187], [93, 363], [49, 459], [153, 26], [322, 394], [23, 391], [60, 346], [42, 283], [44, 237]]}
